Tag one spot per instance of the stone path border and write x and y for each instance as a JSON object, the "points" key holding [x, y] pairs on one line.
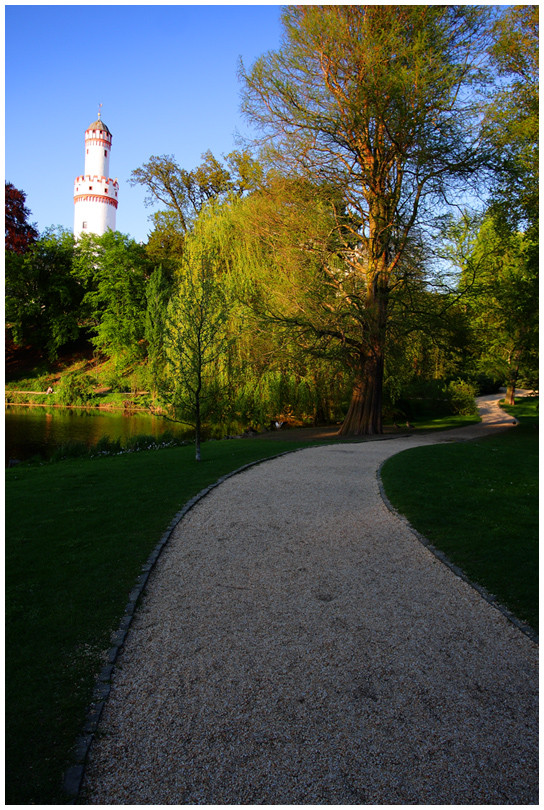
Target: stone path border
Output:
{"points": [[440, 555], [73, 776]]}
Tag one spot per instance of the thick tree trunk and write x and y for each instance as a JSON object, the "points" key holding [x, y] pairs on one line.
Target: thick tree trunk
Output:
{"points": [[364, 416], [510, 397]]}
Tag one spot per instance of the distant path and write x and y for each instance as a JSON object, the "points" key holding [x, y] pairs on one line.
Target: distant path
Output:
{"points": [[298, 645]]}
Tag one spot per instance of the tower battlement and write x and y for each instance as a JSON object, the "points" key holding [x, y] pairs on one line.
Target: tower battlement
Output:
{"points": [[95, 192]]}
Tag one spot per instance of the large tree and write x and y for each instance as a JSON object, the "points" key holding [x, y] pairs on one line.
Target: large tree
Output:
{"points": [[42, 297], [113, 270], [158, 293], [505, 303], [511, 122], [498, 268], [182, 193], [378, 102], [20, 236]]}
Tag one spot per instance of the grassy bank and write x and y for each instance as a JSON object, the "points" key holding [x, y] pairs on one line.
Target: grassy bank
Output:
{"points": [[480, 506], [79, 378]]}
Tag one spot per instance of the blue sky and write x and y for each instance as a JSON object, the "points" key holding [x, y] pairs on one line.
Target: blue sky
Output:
{"points": [[167, 79]]}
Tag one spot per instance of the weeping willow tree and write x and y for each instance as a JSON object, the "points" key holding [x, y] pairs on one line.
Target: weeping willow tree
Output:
{"points": [[290, 273], [230, 364], [266, 370], [378, 103]]}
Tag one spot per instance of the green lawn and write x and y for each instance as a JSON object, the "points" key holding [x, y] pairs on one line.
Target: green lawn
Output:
{"points": [[446, 422], [77, 535], [478, 503]]}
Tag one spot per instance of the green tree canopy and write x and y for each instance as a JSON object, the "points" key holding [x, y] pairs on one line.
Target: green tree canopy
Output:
{"points": [[42, 298], [183, 193], [380, 103], [113, 270], [196, 334], [159, 290], [503, 302], [511, 123]]}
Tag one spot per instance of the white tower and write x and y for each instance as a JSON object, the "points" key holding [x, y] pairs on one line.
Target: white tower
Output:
{"points": [[95, 193]]}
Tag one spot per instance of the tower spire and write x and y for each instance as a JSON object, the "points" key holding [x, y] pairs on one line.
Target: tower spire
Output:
{"points": [[99, 111]]}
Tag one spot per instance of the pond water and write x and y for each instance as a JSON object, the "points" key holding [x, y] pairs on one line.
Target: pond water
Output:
{"points": [[32, 431]]}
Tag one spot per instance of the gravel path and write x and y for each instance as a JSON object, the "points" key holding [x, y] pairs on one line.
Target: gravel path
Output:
{"points": [[298, 645]]}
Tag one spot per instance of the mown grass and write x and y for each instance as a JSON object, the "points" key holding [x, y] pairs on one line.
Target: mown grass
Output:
{"points": [[446, 422], [77, 534], [478, 503]]}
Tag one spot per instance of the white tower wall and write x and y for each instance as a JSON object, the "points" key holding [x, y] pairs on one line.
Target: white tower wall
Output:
{"points": [[97, 152], [95, 192], [93, 214]]}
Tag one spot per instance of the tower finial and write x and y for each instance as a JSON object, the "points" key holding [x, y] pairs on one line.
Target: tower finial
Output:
{"points": [[99, 111]]}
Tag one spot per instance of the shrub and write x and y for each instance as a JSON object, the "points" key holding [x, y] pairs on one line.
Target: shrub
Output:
{"points": [[140, 442], [133, 444], [139, 380], [462, 397], [115, 380], [74, 389], [423, 399], [106, 445]]}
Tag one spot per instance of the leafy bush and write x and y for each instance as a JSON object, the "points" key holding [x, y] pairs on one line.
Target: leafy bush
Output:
{"points": [[74, 389], [422, 399], [134, 444], [36, 382], [110, 447], [13, 398], [115, 380], [462, 395], [139, 380], [139, 442]]}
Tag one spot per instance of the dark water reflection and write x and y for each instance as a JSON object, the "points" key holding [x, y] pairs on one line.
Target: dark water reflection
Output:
{"points": [[32, 431]]}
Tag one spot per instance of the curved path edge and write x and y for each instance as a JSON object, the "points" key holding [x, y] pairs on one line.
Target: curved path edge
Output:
{"points": [[440, 555], [74, 775]]}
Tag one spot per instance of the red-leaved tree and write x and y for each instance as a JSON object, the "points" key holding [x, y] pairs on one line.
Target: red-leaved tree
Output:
{"points": [[19, 232]]}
